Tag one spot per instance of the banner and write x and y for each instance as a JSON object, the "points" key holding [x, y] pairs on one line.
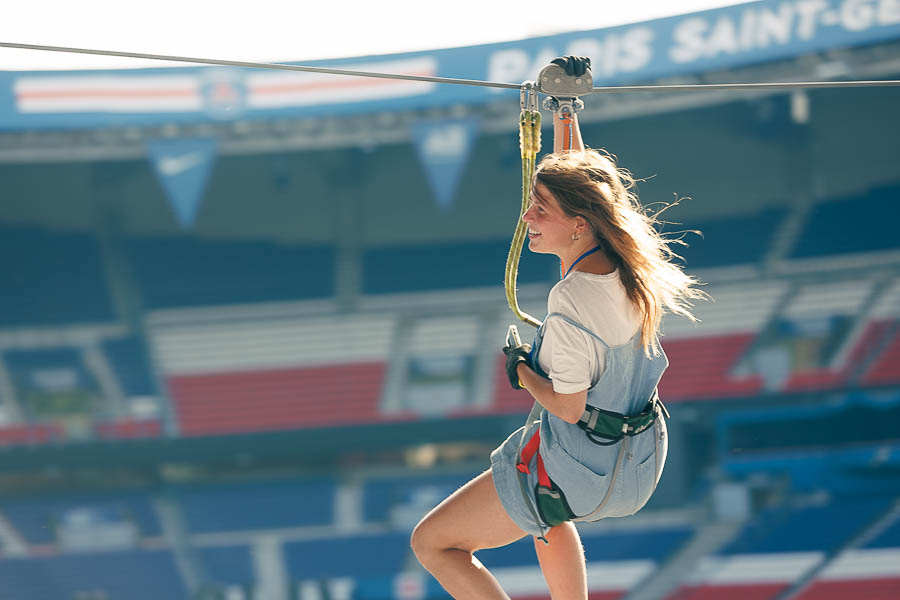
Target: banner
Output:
{"points": [[443, 147], [183, 167], [713, 40]]}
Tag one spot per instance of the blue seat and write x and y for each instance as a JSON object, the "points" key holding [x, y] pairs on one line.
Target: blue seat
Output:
{"points": [[261, 505], [51, 278], [846, 225], [446, 266], [129, 360], [354, 556], [229, 565], [806, 528], [136, 575], [182, 271]]}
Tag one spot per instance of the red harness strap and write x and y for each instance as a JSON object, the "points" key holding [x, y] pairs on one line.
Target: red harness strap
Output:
{"points": [[530, 449]]}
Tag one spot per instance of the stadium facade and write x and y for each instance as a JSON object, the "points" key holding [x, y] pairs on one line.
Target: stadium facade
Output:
{"points": [[250, 321]]}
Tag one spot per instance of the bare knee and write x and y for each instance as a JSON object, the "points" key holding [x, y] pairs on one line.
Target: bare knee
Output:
{"points": [[422, 541], [427, 542]]}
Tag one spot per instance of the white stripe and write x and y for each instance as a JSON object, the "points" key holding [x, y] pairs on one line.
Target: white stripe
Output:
{"points": [[735, 308], [444, 335], [601, 577], [318, 88], [75, 83], [361, 94], [863, 564], [755, 568], [114, 105], [99, 94], [272, 343]]}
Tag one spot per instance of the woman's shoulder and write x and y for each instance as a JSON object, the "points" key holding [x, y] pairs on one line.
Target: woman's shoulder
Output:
{"points": [[580, 287], [598, 301]]}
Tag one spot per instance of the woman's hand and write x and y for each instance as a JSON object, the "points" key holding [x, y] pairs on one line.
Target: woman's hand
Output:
{"points": [[574, 65], [514, 356]]}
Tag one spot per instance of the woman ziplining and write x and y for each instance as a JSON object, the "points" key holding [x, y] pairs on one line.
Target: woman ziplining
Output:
{"points": [[598, 445]]}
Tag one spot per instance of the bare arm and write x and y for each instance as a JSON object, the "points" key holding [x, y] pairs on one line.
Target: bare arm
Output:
{"points": [[559, 133], [568, 407]]}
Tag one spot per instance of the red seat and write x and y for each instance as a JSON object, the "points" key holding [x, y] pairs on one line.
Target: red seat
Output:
{"points": [[277, 399], [869, 589], [751, 591], [31, 434], [886, 368]]}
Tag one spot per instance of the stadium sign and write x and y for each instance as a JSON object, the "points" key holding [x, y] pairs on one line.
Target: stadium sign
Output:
{"points": [[724, 38]]}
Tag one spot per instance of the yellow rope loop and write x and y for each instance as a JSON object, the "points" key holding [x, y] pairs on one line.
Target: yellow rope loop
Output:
{"points": [[529, 145]]}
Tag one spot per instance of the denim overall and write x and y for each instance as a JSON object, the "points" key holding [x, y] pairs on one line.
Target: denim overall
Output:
{"points": [[598, 479]]}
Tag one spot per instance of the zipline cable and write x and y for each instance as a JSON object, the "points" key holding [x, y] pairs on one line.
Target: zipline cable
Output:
{"points": [[257, 65], [494, 84]]}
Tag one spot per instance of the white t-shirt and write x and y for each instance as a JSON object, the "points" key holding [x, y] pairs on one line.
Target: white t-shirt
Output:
{"points": [[573, 359]]}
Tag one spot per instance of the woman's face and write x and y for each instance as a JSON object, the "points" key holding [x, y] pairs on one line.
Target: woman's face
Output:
{"points": [[549, 228]]}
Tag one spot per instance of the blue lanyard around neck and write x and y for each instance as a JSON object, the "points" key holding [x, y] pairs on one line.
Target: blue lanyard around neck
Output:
{"points": [[577, 260]]}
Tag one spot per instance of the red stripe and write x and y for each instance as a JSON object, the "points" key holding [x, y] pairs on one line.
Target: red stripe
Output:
{"points": [[170, 93]]}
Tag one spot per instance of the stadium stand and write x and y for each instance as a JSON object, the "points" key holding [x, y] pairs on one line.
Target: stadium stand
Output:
{"points": [[726, 242], [404, 500], [360, 556], [121, 429], [846, 225], [275, 373], [617, 560], [884, 331], [131, 364], [52, 382], [871, 571], [812, 326], [187, 271], [256, 505], [137, 574], [228, 565], [778, 547], [51, 278], [37, 518], [31, 434], [404, 269], [314, 291]]}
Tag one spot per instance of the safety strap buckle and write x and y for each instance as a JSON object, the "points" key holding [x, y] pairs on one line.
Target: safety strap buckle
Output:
{"points": [[613, 426], [528, 96]]}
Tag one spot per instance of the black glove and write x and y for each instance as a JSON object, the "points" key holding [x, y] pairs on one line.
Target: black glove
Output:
{"points": [[514, 356], [574, 65]]}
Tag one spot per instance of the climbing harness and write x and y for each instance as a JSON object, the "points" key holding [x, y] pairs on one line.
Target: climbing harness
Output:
{"points": [[602, 427]]}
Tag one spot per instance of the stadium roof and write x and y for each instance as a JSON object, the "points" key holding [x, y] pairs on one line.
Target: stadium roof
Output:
{"points": [[109, 114]]}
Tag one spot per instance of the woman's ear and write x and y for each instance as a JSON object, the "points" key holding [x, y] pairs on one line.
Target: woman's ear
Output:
{"points": [[581, 225]]}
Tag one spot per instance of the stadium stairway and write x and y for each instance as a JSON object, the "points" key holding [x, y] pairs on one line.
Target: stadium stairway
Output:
{"points": [[863, 567], [708, 539], [781, 547]]}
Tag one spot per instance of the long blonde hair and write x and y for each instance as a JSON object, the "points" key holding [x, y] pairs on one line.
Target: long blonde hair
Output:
{"points": [[589, 184]]}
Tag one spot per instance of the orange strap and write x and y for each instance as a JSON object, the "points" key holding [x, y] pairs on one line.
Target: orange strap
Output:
{"points": [[530, 449], [567, 121]]}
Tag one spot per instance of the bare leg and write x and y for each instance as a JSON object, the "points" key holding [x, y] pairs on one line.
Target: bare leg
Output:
{"points": [[562, 562], [470, 519]]}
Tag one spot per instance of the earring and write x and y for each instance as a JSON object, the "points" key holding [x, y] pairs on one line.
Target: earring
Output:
{"points": [[575, 236]]}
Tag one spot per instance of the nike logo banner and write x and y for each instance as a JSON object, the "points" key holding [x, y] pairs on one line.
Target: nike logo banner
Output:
{"points": [[443, 147], [183, 167]]}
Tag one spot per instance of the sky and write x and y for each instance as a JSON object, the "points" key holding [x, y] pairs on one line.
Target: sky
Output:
{"points": [[295, 30]]}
